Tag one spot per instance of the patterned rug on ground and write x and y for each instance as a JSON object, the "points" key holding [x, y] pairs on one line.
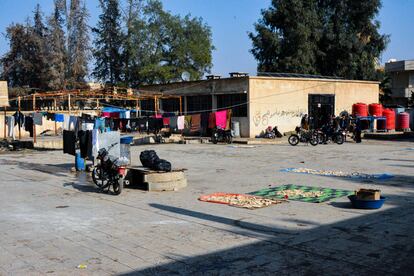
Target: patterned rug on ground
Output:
{"points": [[355, 175], [240, 200], [302, 193]]}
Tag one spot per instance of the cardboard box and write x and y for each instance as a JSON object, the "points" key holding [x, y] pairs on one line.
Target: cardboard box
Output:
{"points": [[368, 194]]}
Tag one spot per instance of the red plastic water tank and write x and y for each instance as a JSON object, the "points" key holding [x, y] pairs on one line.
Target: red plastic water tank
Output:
{"points": [[390, 115], [375, 109], [403, 121], [360, 109]]}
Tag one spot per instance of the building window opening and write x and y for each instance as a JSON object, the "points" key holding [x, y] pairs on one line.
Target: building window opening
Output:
{"points": [[238, 102], [199, 103]]}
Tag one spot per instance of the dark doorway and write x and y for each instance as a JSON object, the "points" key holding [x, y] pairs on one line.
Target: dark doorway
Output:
{"points": [[321, 107]]}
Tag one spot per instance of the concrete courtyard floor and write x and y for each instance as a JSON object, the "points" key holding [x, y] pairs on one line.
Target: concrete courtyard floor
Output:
{"points": [[52, 220]]}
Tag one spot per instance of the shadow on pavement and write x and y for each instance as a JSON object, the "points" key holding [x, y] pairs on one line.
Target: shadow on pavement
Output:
{"points": [[82, 187], [377, 243]]}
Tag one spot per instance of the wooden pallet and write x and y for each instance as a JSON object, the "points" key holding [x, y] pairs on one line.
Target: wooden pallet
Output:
{"points": [[157, 181]]}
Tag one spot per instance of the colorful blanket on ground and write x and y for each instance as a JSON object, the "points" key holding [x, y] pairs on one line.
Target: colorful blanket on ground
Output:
{"points": [[302, 193], [356, 175], [240, 200]]}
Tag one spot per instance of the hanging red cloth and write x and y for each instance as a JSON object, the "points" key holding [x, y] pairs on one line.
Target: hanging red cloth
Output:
{"points": [[166, 121], [221, 119], [212, 120]]}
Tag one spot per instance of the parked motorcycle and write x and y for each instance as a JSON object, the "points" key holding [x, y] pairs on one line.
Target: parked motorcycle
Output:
{"points": [[222, 135], [336, 136], [109, 172], [303, 136]]}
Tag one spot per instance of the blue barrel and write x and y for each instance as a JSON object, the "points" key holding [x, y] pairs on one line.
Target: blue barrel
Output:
{"points": [[79, 162]]}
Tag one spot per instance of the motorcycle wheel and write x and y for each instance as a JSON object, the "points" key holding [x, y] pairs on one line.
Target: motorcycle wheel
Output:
{"points": [[293, 139], [321, 138], [99, 178], [314, 141], [339, 139], [229, 139], [213, 139], [118, 186]]}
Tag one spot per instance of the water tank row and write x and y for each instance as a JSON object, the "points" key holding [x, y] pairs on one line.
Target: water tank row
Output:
{"points": [[399, 122], [362, 110]]}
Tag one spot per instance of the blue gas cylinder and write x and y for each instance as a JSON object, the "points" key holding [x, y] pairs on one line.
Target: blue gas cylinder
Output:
{"points": [[79, 162]]}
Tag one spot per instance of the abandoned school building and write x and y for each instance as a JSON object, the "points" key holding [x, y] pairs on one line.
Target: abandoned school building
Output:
{"points": [[261, 101]]}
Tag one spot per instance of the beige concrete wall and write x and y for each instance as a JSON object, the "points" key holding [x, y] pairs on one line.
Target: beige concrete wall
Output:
{"points": [[282, 101], [4, 94]]}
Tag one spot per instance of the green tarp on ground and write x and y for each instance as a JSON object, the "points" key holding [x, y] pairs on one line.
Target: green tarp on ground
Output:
{"points": [[327, 193]]}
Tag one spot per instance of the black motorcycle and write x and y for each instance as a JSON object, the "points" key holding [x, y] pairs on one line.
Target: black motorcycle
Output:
{"points": [[336, 136], [303, 136], [109, 172], [222, 135]]}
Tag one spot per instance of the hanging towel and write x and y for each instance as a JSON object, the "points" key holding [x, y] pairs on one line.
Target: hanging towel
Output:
{"points": [[114, 115], [87, 126], [106, 114], [204, 123], [95, 142], [66, 119], [28, 125], [221, 119], [59, 118], [99, 124], [173, 122], [37, 118], [228, 119], [180, 122], [85, 143], [73, 123], [212, 120], [50, 116], [69, 142], [195, 122], [166, 121], [187, 121], [10, 125]]}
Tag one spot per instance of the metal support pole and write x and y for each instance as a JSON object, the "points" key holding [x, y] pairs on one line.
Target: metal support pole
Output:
{"points": [[69, 103], [55, 107], [156, 105], [181, 105], [19, 109], [138, 109], [34, 125]]}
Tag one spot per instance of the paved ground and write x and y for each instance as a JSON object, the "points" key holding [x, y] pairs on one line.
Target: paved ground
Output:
{"points": [[52, 220]]}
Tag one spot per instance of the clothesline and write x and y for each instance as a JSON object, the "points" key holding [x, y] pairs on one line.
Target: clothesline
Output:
{"points": [[226, 107]]}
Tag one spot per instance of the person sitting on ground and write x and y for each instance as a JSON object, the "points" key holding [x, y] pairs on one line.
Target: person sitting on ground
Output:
{"points": [[277, 133], [269, 133]]}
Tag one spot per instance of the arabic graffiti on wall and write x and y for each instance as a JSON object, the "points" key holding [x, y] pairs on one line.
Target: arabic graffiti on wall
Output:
{"points": [[262, 118]]}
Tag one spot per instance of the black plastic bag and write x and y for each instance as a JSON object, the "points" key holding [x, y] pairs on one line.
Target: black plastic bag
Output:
{"points": [[163, 165], [150, 159]]}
